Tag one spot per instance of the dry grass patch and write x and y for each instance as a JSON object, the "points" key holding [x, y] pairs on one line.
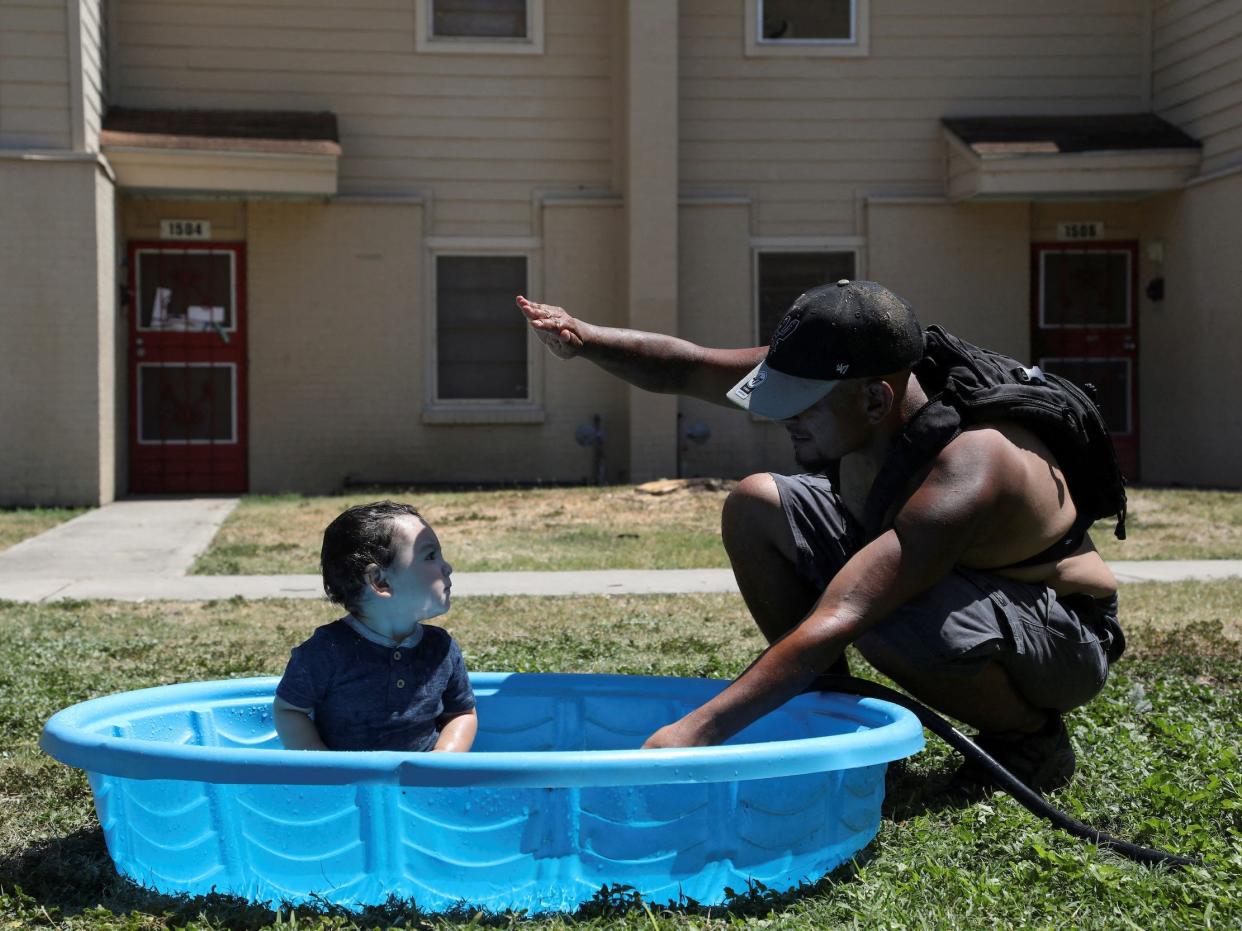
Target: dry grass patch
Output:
{"points": [[621, 527], [1176, 523], [23, 523], [618, 527]]}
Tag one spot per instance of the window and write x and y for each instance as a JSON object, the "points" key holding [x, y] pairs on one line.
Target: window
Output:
{"points": [[479, 26], [483, 364], [1084, 288], [780, 276], [480, 337], [807, 27]]}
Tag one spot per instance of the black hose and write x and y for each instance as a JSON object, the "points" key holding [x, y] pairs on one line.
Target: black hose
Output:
{"points": [[1032, 801]]}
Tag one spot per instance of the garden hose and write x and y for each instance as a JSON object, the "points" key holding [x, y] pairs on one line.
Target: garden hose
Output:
{"points": [[1032, 801]]}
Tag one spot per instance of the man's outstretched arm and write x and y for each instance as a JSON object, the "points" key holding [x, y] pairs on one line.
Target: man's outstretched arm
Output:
{"points": [[651, 361], [952, 507]]}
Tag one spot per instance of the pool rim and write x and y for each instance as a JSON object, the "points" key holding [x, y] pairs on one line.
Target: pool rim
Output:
{"points": [[894, 732]]}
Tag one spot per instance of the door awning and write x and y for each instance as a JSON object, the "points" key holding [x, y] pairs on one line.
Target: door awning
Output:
{"points": [[1035, 157], [237, 151]]}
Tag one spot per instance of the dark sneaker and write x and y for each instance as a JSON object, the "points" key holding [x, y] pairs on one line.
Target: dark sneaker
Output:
{"points": [[1044, 759]]}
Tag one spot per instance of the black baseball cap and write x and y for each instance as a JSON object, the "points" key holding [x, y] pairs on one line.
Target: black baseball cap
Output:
{"points": [[851, 329]]}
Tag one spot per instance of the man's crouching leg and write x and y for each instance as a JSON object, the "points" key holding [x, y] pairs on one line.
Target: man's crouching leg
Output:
{"points": [[762, 550], [1005, 657], [1031, 743]]}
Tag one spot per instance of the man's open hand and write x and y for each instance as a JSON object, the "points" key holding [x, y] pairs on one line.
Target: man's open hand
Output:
{"points": [[560, 332]]}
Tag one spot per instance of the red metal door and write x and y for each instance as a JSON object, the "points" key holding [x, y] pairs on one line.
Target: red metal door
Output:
{"points": [[187, 368], [1084, 327]]}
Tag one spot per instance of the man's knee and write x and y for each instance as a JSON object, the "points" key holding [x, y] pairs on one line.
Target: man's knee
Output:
{"points": [[752, 513]]}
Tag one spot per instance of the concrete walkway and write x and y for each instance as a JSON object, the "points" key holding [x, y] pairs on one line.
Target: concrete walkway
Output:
{"points": [[140, 550]]}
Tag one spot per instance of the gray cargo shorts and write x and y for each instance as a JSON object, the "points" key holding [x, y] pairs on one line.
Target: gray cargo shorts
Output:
{"points": [[1056, 651]]}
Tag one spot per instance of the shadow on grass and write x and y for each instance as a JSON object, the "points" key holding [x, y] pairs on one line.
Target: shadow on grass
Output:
{"points": [[68, 877], [72, 875]]}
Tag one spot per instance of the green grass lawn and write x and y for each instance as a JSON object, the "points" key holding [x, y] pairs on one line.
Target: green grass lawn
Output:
{"points": [[20, 523], [622, 528], [1158, 765]]}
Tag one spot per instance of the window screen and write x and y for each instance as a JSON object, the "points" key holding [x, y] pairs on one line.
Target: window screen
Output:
{"points": [[480, 336], [783, 276], [795, 20], [489, 19], [1089, 288]]}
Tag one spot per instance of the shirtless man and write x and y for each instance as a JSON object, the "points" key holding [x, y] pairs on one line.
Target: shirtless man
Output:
{"points": [[934, 601]]}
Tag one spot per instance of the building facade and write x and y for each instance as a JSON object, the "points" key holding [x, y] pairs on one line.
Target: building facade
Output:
{"points": [[273, 245]]}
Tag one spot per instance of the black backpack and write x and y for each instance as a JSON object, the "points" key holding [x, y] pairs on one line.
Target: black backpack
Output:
{"points": [[969, 385]]}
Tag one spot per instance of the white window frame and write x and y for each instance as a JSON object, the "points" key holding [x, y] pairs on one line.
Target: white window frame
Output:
{"points": [[143, 367], [481, 410], [858, 45], [758, 247], [426, 41]]}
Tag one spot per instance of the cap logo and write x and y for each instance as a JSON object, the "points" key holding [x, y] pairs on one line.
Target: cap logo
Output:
{"points": [[785, 330], [746, 389], [842, 368]]}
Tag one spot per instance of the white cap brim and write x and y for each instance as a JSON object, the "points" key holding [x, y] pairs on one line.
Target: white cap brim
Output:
{"points": [[769, 393]]}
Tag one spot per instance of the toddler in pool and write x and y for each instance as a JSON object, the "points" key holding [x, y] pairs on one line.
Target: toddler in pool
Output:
{"points": [[378, 678]]}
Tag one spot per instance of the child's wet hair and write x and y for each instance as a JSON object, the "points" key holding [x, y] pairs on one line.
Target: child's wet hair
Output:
{"points": [[355, 539]]}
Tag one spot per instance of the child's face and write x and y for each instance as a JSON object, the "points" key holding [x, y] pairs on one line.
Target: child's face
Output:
{"points": [[418, 576]]}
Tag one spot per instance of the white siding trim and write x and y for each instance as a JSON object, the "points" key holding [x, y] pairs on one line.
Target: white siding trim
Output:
{"points": [[59, 155], [77, 102], [1214, 176], [1148, 38]]}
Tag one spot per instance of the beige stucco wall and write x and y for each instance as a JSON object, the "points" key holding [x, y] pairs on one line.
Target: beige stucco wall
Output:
{"points": [[338, 327], [57, 325], [1192, 340], [335, 343], [716, 309], [964, 266]]}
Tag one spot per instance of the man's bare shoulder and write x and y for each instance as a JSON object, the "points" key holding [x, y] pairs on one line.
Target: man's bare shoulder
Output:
{"points": [[1005, 450], [986, 457], [1007, 479], [980, 480]]}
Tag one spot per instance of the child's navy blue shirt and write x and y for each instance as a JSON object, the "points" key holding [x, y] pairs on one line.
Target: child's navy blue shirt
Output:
{"points": [[365, 695]]}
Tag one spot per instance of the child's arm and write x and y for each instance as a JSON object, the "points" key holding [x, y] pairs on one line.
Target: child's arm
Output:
{"points": [[456, 731], [295, 728]]}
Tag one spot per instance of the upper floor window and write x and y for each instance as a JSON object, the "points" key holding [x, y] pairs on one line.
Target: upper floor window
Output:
{"points": [[479, 26], [807, 27]]}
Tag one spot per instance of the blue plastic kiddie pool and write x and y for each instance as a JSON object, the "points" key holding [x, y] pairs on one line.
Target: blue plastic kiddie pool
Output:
{"points": [[195, 793]]}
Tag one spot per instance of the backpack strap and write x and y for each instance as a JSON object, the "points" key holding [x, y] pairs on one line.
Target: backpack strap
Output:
{"points": [[933, 426]]}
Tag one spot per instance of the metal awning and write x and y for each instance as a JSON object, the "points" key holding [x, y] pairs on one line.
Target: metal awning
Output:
{"points": [[1034, 157], [235, 151]]}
